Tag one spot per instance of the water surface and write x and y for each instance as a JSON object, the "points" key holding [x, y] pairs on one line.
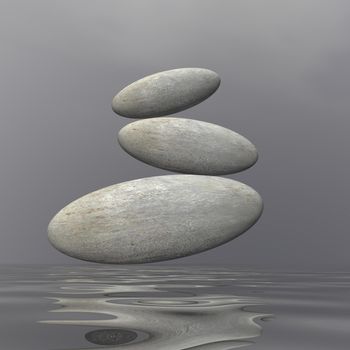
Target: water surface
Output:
{"points": [[171, 308]]}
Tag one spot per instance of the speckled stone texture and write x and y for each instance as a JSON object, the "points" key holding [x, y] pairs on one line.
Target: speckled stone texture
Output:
{"points": [[156, 218], [187, 146], [165, 93]]}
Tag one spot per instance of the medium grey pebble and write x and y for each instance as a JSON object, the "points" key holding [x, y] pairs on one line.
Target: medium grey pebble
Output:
{"points": [[187, 146], [165, 93], [154, 219]]}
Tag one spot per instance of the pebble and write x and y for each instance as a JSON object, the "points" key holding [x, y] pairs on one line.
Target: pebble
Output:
{"points": [[187, 146], [154, 219], [165, 93]]}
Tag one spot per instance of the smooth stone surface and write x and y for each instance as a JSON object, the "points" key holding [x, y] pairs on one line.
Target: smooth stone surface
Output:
{"points": [[154, 219], [165, 93], [187, 146]]}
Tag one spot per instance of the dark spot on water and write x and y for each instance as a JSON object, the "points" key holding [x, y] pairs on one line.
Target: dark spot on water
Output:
{"points": [[110, 336]]}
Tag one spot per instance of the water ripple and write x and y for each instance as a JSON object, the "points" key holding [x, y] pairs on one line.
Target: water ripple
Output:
{"points": [[157, 309], [171, 308]]}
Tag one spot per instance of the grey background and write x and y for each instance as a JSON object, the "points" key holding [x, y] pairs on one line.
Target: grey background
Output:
{"points": [[285, 86]]}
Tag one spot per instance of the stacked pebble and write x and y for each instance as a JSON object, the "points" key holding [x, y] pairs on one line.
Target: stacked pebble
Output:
{"points": [[165, 217]]}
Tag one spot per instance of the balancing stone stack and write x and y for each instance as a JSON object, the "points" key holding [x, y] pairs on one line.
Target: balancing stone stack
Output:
{"points": [[171, 216]]}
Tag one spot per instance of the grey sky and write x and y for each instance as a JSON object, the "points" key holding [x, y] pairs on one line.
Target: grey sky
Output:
{"points": [[285, 86]]}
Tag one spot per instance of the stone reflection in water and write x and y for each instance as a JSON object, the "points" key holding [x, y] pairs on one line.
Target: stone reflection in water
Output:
{"points": [[110, 336], [157, 309]]}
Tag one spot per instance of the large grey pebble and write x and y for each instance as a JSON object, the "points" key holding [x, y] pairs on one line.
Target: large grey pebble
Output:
{"points": [[155, 218], [187, 146], [165, 93]]}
